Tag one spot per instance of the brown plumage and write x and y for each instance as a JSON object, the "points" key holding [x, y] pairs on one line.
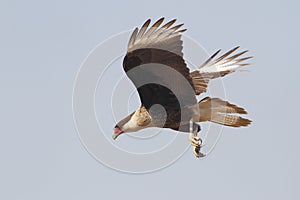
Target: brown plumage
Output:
{"points": [[154, 62]]}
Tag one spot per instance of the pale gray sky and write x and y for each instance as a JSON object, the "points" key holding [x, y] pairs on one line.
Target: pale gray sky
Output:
{"points": [[44, 43]]}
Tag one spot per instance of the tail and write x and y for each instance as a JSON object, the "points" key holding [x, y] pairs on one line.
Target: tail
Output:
{"points": [[222, 112]]}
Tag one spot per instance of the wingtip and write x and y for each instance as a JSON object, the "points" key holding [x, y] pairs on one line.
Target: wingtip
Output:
{"points": [[181, 31], [173, 20], [161, 19], [246, 51], [148, 21], [216, 53], [146, 24], [245, 64], [168, 24]]}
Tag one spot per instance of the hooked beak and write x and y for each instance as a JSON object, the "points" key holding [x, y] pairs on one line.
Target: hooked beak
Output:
{"points": [[117, 132]]}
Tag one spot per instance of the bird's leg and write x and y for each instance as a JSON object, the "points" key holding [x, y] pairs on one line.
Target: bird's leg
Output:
{"points": [[195, 141]]}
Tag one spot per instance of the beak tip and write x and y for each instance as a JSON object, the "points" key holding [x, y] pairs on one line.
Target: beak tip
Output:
{"points": [[117, 132], [114, 136]]}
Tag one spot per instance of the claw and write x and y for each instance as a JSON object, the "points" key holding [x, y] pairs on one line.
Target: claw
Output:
{"points": [[199, 155], [197, 151], [197, 144], [195, 141]]}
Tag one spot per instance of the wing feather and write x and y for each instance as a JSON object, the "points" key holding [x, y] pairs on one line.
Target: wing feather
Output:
{"points": [[219, 67], [143, 30], [154, 27], [133, 37], [149, 47], [156, 36]]}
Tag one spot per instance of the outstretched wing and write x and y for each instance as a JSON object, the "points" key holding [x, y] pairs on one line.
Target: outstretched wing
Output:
{"points": [[155, 65], [217, 67]]}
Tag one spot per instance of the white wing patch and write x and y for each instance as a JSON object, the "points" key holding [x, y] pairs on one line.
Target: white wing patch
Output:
{"points": [[166, 37]]}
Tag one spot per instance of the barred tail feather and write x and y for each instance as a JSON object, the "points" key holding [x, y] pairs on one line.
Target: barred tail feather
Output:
{"points": [[230, 120], [222, 112]]}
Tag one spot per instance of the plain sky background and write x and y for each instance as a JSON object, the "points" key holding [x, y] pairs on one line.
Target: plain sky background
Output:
{"points": [[42, 45]]}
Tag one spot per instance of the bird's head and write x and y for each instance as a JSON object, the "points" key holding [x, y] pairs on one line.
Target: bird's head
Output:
{"points": [[136, 121]]}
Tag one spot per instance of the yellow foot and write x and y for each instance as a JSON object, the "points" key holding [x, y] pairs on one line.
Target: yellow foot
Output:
{"points": [[196, 142]]}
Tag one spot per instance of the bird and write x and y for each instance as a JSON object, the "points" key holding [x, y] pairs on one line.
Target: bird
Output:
{"points": [[168, 89]]}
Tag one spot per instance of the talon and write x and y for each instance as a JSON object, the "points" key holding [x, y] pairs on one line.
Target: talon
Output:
{"points": [[201, 155], [196, 142], [197, 151]]}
